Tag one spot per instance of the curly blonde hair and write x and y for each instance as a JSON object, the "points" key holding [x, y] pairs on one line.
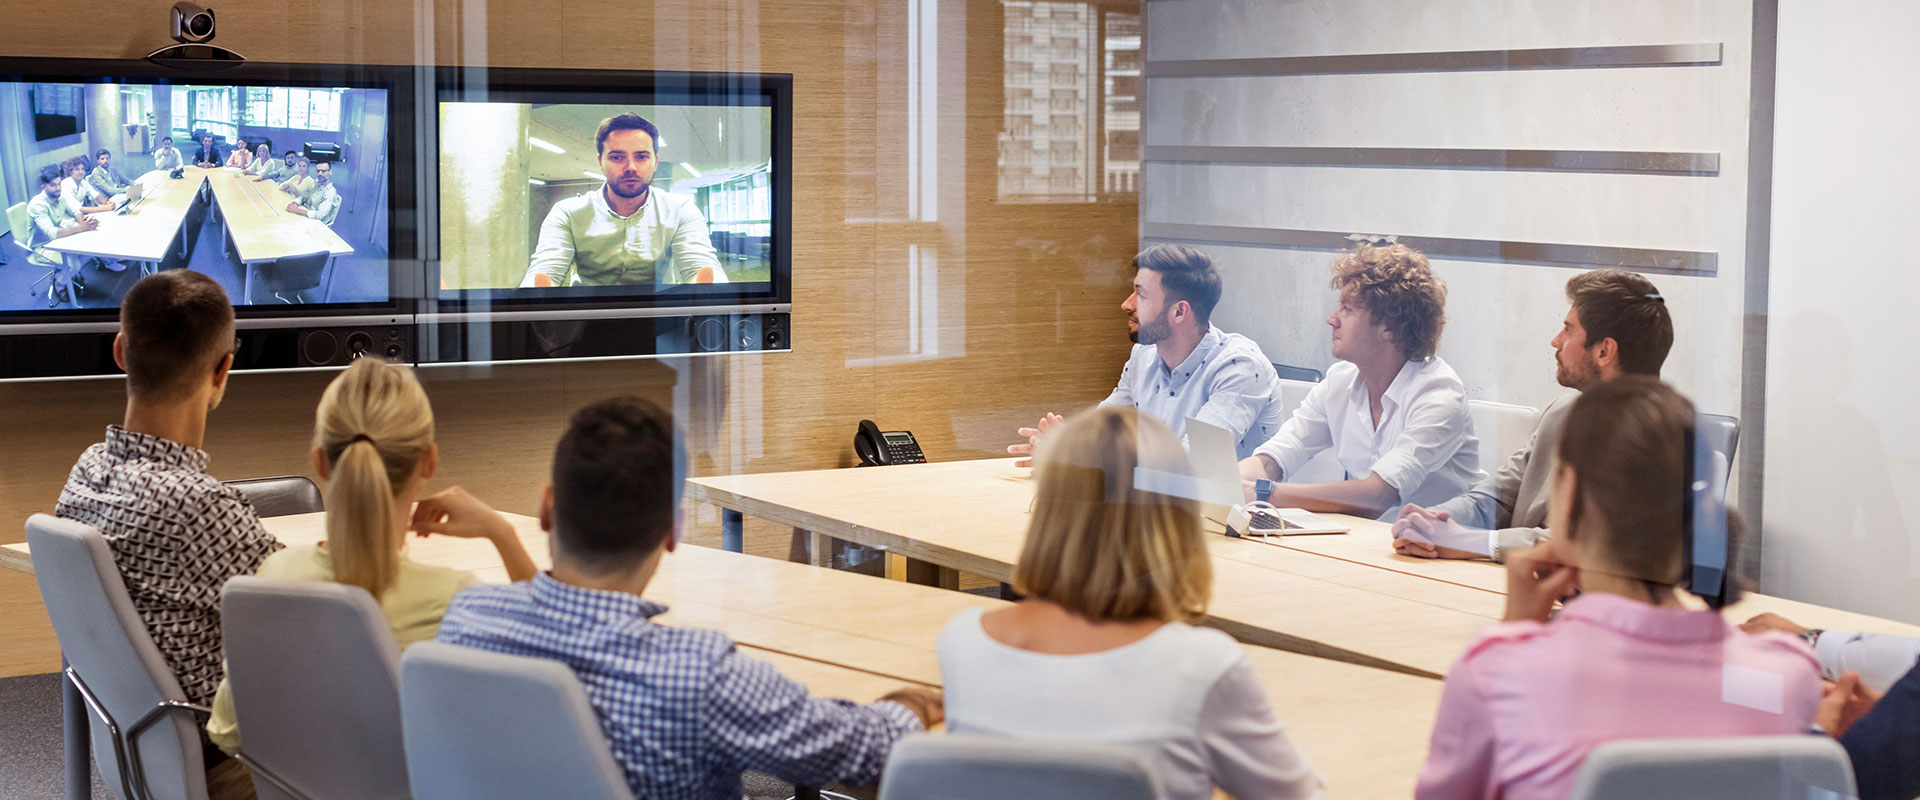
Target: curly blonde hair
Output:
{"points": [[1398, 289]]}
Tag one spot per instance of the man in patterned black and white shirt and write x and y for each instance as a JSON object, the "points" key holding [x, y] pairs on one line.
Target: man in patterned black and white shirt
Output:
{"points": [[176, 533]]}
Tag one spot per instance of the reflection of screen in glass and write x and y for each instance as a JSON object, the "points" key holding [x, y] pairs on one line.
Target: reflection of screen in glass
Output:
{"points": [[530, 198], [150, 177]]}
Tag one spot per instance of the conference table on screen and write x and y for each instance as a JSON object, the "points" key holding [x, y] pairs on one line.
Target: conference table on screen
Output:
{"points": [[1344, 596], [858, 637], [256, 223]]}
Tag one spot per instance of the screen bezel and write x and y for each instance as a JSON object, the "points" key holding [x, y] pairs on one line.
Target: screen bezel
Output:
{"points": [[643, 87], [403, 145]]}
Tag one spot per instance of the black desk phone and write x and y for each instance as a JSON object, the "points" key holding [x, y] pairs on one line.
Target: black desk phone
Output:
{"points": [[878, 448]]}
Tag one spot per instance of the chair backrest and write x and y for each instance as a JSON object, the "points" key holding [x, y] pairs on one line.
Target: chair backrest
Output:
{"points": [[19, 224], [975, 767], [1736, 768], [1721, 432], [315, 677], [482, 725], [107, 645], [1502, 428], [281, 496], [294, 273], [1302, 374]]}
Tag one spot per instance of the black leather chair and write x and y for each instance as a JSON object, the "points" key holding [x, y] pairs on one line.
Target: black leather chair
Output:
{"points": [[1292, 373], [287, 277], [282, 496]]}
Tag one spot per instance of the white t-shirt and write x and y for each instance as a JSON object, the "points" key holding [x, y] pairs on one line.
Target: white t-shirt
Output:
{"points": [[1187, 696]]}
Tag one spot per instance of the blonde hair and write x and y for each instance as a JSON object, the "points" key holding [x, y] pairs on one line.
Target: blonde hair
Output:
{"points": [[374, 425], [1102, 544]]}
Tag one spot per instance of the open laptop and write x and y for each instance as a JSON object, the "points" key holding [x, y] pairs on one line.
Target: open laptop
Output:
{"points": [[1217, 465]]}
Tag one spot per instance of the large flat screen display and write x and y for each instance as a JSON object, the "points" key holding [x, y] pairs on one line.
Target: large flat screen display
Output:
{"points": [[278, 189], [554, 191]]}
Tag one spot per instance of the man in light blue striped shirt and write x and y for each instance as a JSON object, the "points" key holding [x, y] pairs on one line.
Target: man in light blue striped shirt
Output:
{"points": [[1182, 366], [684, 710]]}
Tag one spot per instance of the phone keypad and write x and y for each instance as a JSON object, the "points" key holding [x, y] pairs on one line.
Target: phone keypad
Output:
{"points": [[905, 454]]}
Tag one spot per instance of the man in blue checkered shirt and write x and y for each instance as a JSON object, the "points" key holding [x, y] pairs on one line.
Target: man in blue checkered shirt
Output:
{"points": [[686, 713]]}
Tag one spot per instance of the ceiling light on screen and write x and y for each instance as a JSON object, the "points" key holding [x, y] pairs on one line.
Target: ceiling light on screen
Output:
{"points": [[536, 181], [689, 168], [545, 145], [591, 174]]}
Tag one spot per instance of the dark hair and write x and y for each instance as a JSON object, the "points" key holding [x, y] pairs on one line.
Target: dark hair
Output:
{"points": [[1186, 274], [52, 174], [175, 326], [1627, 442], [101, 152], [624, 122], [1399, 290], [71, 164], [1625, 307], [617, 479], [291, 153], [166, 138]]}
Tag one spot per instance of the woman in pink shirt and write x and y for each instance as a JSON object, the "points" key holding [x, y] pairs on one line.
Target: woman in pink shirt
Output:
{"points": [[1624, 659]]}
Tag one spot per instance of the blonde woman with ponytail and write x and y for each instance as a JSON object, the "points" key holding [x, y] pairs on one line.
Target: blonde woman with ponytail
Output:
{"points": [[373, 449]]}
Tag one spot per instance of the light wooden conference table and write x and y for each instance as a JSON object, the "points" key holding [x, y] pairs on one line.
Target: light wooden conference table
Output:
{"points": [[255, 221], [1345, 596], [858, 637]]}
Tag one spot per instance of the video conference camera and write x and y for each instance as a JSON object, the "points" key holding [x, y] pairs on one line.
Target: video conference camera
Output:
{"points": [[192, 27]]}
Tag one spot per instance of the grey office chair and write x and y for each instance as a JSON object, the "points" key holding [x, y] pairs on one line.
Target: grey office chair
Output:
{"points": [[1735, 768], [973, 767], [487, 726], [1721, 432], [286, 278], [1292, 373], [146, 740], [281, 496], [315, 677]]}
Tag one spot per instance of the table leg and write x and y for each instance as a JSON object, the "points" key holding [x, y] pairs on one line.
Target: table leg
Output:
{"points": [[73, 713], [732, 537]]}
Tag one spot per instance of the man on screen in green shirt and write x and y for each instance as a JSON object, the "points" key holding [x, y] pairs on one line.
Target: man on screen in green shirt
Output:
{"points": [[625, 233]]}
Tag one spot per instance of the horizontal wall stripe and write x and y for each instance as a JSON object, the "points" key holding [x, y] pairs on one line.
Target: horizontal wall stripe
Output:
{"points": [[1613, 161], [1657, 55], [1671, 262]]}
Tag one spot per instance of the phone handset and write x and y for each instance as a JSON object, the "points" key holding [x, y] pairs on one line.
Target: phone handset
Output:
{"points": [[878, 448]]}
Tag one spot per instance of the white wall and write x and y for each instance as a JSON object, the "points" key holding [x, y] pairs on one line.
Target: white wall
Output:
{"points": [[1501, 316], [1843, 425]]}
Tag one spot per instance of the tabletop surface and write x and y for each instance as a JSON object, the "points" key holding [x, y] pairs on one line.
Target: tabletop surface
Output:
{"points": [[255, 213]]}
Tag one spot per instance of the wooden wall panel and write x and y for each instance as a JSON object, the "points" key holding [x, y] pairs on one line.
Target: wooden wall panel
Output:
{"points": [[1042, 283]]}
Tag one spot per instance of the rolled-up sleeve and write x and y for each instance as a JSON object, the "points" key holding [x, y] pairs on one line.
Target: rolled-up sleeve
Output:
{"points": [[692, 249], [1305, 434], [1237, 397], [1436, 427], [553, 253]]}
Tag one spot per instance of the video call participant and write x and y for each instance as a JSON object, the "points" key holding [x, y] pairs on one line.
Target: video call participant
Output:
{"points": [[1181, 365], [104, 177], [165, 157], [1106, 645], [51, 218], [684, 710], [299, 183], [276, 171], [1624, 658], [1391, 410], [262, 164], [322, 200], [626, 233], [209, 154], [80, 195], [1618, 324], [240, 156], [176, 533]]}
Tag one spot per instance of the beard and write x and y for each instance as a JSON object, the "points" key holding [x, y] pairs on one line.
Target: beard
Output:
{"points": [[1151, 332], [1577, 377], [619, 190]]}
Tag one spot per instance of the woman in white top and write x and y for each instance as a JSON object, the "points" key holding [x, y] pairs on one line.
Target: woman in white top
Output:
{"points": [[1102, 648], [373, 446]]}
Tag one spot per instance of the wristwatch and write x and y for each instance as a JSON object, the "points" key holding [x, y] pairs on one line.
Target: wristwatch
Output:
{"points": [[1812, 636], [1262, 489]]}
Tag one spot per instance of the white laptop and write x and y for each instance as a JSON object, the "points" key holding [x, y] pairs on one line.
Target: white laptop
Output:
{"points": [[1217, 465]]}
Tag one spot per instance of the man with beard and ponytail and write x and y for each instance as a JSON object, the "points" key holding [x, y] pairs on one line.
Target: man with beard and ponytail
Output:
{"points": [[1182, 366], [625, 233]]}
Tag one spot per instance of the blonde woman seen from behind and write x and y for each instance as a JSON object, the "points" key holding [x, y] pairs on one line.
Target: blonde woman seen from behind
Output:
{"points": [[1115, 571], [373, 447]]}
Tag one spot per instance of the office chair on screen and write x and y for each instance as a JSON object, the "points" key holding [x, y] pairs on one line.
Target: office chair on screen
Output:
{"points": [[287, 278], [146, 736]]}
